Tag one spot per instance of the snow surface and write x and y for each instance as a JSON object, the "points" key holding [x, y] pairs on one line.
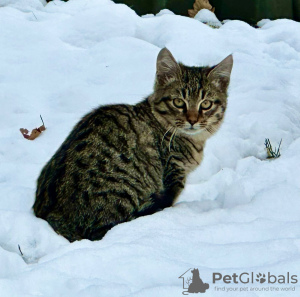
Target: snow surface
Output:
{"points": [[239, 211], [208, 17], [165, 11]]}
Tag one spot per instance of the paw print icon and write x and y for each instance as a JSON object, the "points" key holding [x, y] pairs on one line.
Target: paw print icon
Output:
{"points": [[261, 278]]}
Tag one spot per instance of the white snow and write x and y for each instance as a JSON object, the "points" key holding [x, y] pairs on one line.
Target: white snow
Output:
{"points": [[239, 211], [263, 22], [24, 5], [165, 11], [208, 17]]}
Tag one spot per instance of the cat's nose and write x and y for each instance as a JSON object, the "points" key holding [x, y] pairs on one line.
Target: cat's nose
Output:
{"points": [[192, 116], [192, 122]]}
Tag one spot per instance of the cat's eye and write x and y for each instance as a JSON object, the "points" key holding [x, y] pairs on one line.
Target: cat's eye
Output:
{"points": [[206, 104], [179, 103]]}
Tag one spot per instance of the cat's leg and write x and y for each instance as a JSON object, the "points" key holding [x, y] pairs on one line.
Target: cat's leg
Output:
{"points": [[63, 227], [173, 181]]}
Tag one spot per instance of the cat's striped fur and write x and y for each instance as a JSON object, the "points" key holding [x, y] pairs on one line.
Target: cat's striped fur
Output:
{"points": [[122, 161]]}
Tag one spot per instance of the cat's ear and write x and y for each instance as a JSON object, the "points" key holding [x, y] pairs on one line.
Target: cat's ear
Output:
{"points": [[219, 75], [167, 69]]}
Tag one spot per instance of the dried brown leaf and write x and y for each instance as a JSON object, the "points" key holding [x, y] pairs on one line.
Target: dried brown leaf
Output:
{"points": [[198, 5], [34, 133]]}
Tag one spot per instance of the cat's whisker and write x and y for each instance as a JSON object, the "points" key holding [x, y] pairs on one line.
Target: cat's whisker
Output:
{"points": [[165, 135], [173, 135], [211, 130]]}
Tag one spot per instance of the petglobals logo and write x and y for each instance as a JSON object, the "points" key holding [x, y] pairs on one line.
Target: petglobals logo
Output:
{"points": [[193, 284], [252, 278], [254, 282]]}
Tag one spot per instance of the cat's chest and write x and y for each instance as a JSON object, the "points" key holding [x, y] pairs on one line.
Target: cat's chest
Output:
{"points": [[194, 161], [188, 153]]}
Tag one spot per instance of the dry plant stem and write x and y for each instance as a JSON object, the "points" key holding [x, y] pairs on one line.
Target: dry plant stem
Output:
{"points": [[270, 152], [20, 250]]}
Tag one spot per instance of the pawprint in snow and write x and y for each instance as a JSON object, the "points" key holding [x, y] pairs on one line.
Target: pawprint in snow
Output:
{"points": [[261, 278]]}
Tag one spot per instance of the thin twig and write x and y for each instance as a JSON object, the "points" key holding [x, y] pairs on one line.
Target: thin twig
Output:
{"points": [[20, 250], [42, 120], [34, 15], [278, 153]]}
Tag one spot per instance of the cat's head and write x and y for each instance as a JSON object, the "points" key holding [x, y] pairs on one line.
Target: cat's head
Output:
{"points": [[191, 99]]}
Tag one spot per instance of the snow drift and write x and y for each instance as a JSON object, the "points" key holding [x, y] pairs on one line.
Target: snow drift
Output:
{"points": [[239, 211]]}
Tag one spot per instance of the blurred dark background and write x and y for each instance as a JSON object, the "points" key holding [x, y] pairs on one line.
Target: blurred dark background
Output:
{"points": [[250, 11]]}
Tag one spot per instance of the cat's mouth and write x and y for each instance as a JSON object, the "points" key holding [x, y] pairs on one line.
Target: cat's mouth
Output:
{"points": [[192, 130], [189, 129]]}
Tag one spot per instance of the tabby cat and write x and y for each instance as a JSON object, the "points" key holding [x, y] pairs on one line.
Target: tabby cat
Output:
{"points": [[122, 161]]}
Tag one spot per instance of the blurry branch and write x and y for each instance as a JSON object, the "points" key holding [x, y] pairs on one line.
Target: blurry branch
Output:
{"points": [[42, 120], [198, 5], [270, 152], [20, 250], [34, 15]]}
